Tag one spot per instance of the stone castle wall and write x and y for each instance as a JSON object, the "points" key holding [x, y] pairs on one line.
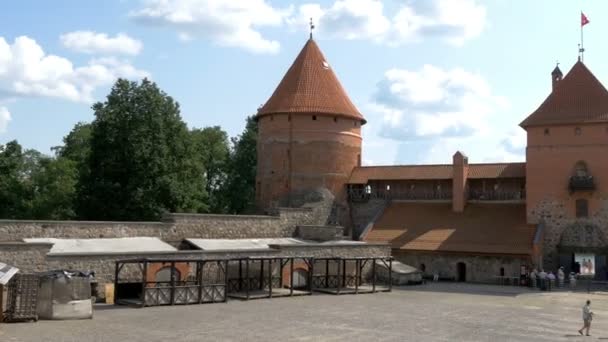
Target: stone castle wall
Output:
{"points": [[174, 228], [563, 229], [479, 269]]}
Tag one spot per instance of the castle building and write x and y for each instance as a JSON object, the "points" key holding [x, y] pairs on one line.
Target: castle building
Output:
{"points": [[464, 221]]}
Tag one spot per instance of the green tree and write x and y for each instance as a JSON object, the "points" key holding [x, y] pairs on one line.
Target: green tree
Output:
{"points": [[77, 144], [241, 176], [14, 194], [142, 161], [213, 149], [54, 189]]}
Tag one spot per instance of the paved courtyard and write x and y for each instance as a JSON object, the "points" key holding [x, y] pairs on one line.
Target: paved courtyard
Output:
{"points": [[435, 312]]}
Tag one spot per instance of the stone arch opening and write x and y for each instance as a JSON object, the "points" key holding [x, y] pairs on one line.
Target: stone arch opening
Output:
{"points": [[461, 272]]}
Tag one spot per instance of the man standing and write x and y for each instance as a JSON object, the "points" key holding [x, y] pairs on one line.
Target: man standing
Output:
{"points": [[587, 317]]}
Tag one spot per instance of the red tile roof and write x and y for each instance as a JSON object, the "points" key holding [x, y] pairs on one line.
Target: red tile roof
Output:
{"points": [[363, 174], [433, 227], [578, 98], [310, 86], [497, 170]]}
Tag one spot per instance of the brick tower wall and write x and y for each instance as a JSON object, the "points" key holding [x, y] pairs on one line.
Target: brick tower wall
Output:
{"points": [[299, 152], [550, 162]]}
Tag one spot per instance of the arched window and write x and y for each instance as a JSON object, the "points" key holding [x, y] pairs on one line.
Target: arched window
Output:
{"points": [[580, 169]]}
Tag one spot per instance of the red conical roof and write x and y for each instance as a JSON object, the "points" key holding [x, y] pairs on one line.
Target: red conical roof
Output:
{"points": [[310, 86], [578, 98]]}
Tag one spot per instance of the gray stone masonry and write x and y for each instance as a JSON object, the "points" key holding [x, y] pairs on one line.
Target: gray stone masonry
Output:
{"points": [[562, 230], [174, 228], [479, 269], [320, 233]]}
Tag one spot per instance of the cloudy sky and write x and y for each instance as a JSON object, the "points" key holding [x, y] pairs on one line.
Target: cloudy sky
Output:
{"points": [[430, 76]]}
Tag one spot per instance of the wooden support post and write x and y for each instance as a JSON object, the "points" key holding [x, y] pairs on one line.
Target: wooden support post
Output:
{"points": [[225, 282], [338, 277], [269, 278], [311, 270], [357, 273], [144, 280], [262, 275], [390, 274], [291, 278], [199, 277], [373, 276], [240, 275], [326, 273], [116, 273], [281, 272], [247, 271], [172, 282], [344, 273]]}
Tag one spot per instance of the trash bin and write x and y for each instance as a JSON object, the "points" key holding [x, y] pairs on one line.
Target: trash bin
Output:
{"points": [[65, 295]]}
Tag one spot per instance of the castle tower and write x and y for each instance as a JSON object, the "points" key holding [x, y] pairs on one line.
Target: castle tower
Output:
{"points": [[309, 133], [567, 167]]}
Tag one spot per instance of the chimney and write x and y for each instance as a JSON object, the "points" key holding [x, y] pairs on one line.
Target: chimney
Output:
{"points": [[459, 181], [556, 76]]}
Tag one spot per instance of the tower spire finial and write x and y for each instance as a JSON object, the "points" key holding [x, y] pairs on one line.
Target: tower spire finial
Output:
{"points": [[312, 27]]}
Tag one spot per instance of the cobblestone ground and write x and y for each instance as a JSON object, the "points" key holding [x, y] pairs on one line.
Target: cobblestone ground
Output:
{"points": [[435, 312]]}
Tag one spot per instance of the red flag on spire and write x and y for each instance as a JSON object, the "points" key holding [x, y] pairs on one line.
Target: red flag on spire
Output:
{"points": [[584, 20]]}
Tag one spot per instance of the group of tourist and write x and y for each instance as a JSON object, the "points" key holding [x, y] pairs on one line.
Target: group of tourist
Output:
{"points": [[546, 280]]}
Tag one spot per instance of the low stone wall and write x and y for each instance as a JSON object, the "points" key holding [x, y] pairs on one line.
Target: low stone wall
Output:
{"points": [[479, 269], [320, 233], [174, 228], [28, 258]]}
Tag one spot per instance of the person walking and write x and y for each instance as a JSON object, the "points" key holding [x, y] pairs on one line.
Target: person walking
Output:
{"points": [[587, 317]]}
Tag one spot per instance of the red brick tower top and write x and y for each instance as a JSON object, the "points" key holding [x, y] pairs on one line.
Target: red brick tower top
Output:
{"points": [[578, 98], [310, 86]]}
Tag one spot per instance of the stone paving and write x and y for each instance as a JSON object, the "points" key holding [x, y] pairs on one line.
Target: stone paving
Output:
{"points": [[434, 312]]}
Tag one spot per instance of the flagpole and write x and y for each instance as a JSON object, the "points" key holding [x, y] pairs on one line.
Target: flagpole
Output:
{"points": [[582, 49]]}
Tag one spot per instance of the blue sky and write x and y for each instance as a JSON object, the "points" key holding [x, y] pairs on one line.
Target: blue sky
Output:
{"points": [[430, 76]]}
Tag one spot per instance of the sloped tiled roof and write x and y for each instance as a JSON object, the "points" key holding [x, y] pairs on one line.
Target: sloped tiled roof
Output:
{"points": [[578, 98], [434, 227], [497, 170], [363, 174], [310, 86]]}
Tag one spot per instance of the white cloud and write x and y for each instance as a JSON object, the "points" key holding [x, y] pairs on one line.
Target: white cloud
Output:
{"points": [[234, 23], [27, 71], [434, 102], [100, 43], [454, 21], [5, 117], [432, 112]]}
